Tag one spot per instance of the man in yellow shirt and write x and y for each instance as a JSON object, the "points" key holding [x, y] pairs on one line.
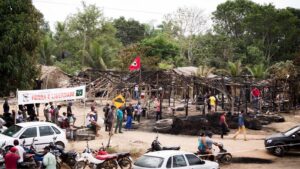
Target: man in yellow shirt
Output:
{"points": [[212, 102]]}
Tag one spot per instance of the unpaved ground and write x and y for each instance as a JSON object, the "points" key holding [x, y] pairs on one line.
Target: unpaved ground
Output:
{"points": [[139, 140]]}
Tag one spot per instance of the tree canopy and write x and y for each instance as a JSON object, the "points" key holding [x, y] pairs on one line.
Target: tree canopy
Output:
{"points": [[245, 37], [20, 24]]}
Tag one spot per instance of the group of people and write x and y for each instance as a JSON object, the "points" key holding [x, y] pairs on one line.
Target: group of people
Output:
{"points": [[16, 154], [25, 113], [52, 114], [116, 115]]}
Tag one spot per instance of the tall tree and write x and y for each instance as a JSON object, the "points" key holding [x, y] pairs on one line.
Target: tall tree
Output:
{"points": [[129, 31], [270, 34], [19, 36], [185, 23]]}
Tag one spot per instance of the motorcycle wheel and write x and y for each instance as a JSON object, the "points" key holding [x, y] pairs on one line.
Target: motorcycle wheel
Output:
{"points": [[226, 159], [79, 165], [111, 164], [125, 163], [71, 162]]}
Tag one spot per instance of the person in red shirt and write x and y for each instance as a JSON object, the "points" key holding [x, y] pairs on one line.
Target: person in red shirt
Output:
{"points": [[11, 158], [255, 94], [223, 124]]}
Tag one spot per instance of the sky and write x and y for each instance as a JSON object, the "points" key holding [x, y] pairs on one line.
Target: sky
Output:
{"points": [[145, 11]]}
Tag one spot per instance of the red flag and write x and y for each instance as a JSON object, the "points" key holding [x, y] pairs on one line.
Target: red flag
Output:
{"points": [[136, 64]]}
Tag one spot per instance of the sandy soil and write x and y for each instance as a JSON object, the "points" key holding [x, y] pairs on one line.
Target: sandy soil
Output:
{"points": [[140, 140]]}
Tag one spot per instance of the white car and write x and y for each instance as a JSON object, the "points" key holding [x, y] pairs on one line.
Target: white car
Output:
{"points": [[173, 159], [42, 133]]}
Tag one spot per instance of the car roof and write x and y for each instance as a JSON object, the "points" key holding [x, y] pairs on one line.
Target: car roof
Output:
{"points": [[35, 123], [167, 153]]}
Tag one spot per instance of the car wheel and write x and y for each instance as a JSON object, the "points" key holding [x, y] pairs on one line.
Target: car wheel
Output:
{"points": [[60, 144], [279, 150]]}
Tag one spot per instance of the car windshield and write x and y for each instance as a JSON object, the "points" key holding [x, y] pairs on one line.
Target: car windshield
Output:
{"points": [[291, 131], [149, 162], [12, 130]]}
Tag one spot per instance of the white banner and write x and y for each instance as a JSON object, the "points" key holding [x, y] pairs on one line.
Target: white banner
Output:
{"points": [[50, 95]]}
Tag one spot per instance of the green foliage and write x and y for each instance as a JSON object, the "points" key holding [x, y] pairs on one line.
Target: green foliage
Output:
{"points": [[87, 38], [234, 69], [283, 70], [46, 50], [258, 71], [258, 32], [19, 37], [129, 31], [161, 46], [204, 71]]}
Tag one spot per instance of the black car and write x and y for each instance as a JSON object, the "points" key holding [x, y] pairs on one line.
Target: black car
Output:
{"points": [[280, 143]]}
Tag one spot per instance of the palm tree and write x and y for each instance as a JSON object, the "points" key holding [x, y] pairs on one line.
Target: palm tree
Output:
{"points": [[205, 71], [46, 50], [258, 71], [234, 69], [93, 57]]}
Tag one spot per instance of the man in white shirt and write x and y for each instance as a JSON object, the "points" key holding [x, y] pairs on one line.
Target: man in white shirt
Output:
{"points": [[20, 152], [49, 160]]}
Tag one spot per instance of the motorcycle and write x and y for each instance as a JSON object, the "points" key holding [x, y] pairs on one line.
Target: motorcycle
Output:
{"points": [[99, 162], [38, 157], [68, 158], [28, 161], [222, 157], [124, 160], [156, 146]]}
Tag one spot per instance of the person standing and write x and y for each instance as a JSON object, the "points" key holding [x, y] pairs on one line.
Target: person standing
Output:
{"points": [[49, 160], [136, 92], [139, 112], [70, 115], [223, 124], [119, 114], [111, 119], [106, 111], [158, 113], [56, 114], [46, 112], [212, 102], [242, 127], [129, 112], [20, 151], [11, 158], [5, 106], [255, 95]]}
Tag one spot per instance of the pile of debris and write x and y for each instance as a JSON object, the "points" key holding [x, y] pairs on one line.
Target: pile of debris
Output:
{"points": [[193, 125]]}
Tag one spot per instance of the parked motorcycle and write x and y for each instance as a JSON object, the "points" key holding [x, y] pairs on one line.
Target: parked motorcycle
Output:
{"points": [[99, 162], [124, 160], [28, 161], [68, 158], [222, 157], [156, 146], [38, 157]]}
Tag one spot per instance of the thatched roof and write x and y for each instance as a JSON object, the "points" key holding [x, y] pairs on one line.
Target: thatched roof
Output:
{"points": [[54, 77]]}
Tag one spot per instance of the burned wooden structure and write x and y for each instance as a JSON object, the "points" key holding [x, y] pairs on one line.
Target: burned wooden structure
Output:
{"points": [[185, 85]]}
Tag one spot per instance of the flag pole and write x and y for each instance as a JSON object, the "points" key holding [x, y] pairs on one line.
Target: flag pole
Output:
{"points": [[140, 76]]}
